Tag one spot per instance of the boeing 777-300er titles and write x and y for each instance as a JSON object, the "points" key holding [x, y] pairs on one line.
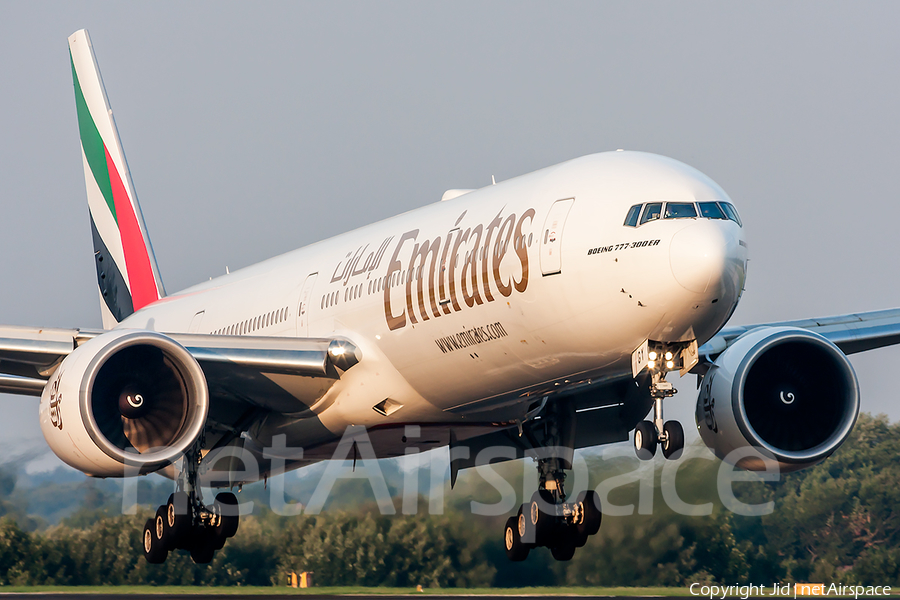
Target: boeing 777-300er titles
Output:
{"points": [[506, 316]]}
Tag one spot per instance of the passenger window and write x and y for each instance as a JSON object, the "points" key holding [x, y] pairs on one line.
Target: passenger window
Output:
{"points": [[711, 210], [651, 212], [633, 213], [731, 212], [680, 210]]}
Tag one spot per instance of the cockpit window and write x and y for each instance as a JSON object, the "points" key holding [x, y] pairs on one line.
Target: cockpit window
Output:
{"points": [[651, 212], [708, 209], [633, 213], [731, 212], [680, 210], [711, 210]]}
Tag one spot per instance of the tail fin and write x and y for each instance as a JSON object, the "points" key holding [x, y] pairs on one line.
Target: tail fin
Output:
{"points": [[126, 267]]}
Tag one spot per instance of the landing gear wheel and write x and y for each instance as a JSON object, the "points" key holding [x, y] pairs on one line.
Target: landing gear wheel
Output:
{"points": [[673, 447], [203, 548], [565, 547], [178, 521], [516, 549], [154, 551], [159, 528], [522, 522], [538, 520], [645, 440], [589, 505], [226, 509], [202, 555], [581, 539]]}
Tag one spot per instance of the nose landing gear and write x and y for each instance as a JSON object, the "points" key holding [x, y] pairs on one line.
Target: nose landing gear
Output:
{"points": [[668, 435], [185, 523]]}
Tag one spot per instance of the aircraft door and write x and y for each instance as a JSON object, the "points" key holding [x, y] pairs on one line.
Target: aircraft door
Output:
{"points": [[305, 305], [551, 236]]}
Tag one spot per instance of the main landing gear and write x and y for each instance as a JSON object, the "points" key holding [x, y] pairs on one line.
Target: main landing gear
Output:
{"points": [[185, 523], [550, 519], [667, 435]]}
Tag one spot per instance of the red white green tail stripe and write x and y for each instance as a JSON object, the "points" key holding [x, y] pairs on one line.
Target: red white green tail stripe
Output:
{"points": [[126, 268]]}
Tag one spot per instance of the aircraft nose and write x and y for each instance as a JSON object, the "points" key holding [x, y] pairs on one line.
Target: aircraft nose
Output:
{"points": [[700, 255]]}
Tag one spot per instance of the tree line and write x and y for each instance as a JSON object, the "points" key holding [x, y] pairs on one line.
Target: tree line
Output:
{"points": [[836, 522]]}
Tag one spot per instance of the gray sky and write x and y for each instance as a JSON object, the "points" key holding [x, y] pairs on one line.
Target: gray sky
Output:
{"points": [[253, 129]]}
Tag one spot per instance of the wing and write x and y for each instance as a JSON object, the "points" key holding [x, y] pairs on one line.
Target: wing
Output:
{"points": [[851, 333], [246, 375], [30, 355]]}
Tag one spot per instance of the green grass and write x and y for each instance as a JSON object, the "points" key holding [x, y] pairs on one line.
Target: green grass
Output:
{"points": [[339, 591], [350, 591]]}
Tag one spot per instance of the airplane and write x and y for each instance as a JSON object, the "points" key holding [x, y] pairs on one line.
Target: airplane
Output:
{"points": [[540, 315]]}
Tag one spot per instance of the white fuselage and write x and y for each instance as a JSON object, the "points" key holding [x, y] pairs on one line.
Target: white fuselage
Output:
{"points": [[479, 303]]}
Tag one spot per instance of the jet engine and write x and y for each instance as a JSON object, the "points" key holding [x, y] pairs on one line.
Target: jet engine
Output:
{"points": [[123, 403], [778, 394]]}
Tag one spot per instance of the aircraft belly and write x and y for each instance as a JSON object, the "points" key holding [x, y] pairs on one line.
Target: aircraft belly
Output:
{"points": [[302, 432]]}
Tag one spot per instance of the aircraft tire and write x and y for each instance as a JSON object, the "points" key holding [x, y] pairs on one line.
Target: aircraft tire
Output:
{"points": [[565, 547], [203, 555], [537, 520], [177, 523], [593, 515], [516, 549], [581, 539], [645, 440], [203, 548], [226, 502], [154, 551], [673, 447], [161, 530]]}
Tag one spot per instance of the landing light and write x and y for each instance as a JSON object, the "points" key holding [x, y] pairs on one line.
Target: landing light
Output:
{"points": [[670, 364], [668, 356], [652, 356], [652, 363], [337, 351]]}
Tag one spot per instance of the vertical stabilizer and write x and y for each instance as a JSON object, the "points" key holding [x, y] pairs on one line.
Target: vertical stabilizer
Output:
{"points": [[127, 274]]}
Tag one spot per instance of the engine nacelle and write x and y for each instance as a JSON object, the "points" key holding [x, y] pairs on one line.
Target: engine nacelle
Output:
{"points": [[123, 403], [780, 393]]}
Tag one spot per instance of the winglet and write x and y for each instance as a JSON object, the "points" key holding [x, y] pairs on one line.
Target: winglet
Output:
{"points": [[127, 274]]}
